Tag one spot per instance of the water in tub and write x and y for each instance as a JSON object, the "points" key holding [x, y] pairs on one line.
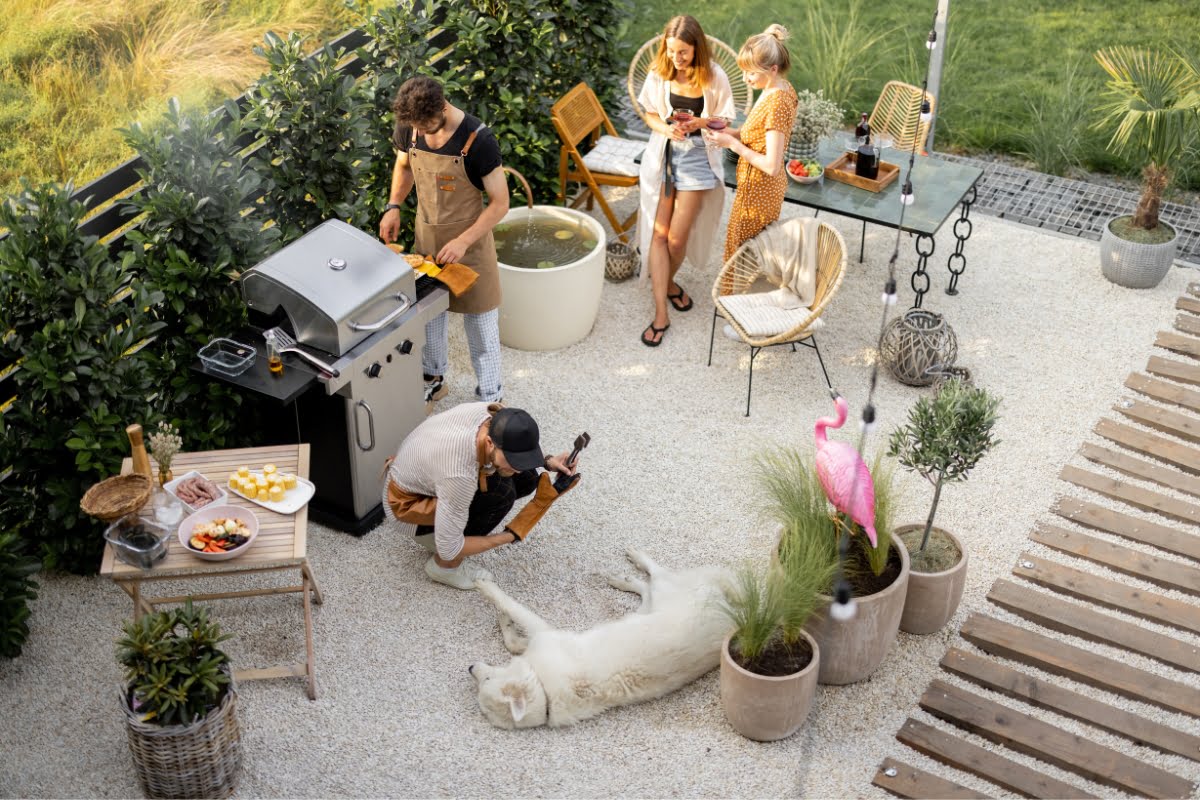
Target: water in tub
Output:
{"points": [[542, 242]]}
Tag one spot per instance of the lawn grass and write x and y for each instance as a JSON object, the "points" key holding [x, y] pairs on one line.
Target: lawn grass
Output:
{"points": [[1007, 66]]}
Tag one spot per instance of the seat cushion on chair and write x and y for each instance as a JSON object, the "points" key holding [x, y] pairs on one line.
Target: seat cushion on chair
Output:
{"points": [[615, 155], [762, 318]]}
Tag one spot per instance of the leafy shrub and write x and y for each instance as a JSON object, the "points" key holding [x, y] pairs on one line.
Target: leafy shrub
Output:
{"points": [[316, 147], [193, 242], [173, 666], [17, 588], [76, 321]]}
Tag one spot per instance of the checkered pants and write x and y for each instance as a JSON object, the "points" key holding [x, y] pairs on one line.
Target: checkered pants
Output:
{"points": [[483, 341]]}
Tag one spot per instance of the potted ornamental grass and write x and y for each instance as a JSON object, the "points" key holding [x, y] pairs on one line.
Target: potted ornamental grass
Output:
{"points": [[876, 573], [942, 440], [180, 705], [1152, 103], [769, 662], [816, 118]]}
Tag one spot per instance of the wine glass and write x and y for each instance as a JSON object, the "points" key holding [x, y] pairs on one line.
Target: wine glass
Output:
{"points": [[679, 115], [714, 124]]}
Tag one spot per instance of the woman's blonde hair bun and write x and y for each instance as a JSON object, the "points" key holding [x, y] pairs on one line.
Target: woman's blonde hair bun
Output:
{"points": [[778, 31]]}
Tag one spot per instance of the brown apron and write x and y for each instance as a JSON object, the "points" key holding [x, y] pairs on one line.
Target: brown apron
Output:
{"points": [[447, 204]]}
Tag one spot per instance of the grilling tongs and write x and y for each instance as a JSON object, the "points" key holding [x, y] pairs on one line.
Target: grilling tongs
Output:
{"points": [[564, 480], [287, 344]]}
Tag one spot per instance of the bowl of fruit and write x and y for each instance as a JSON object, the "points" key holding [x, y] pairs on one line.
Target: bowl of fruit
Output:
{"points": [[804, 171], [218, 532]]}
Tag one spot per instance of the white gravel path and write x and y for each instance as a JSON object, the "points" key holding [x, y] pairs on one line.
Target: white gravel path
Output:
{"points": [[667, 471]]}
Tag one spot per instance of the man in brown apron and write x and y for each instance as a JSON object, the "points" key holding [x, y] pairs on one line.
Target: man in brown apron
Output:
{"points": [[452, 159]]}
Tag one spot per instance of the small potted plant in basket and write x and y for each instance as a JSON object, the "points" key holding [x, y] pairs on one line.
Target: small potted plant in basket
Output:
{"points": [[769, 663], [816, 118], [180, 705], [942, 441]]}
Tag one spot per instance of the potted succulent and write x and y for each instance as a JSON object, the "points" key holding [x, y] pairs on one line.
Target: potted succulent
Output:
{"points": [[769, 663], [180, 705], [942, 441], [1153, 100], [816, 118], [876, 572]]}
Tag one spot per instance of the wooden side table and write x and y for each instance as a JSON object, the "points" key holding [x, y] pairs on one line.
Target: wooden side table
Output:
{"points": [[281, 545]]}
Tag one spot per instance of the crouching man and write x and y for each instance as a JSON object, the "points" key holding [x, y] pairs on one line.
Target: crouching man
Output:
{"points": [[459, 473]]}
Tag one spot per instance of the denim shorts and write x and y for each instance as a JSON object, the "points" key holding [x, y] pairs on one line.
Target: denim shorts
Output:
{"points": [[692, 172]]}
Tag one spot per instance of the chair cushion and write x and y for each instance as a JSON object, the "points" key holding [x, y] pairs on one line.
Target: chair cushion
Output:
{"points": [[615, 155], [762, 318]]}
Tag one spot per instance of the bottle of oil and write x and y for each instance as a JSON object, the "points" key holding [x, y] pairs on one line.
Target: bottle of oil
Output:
{"points": [[274, 358]]}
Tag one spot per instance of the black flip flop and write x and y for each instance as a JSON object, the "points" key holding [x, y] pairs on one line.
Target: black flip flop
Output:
{"points": [[651, 331], [680, 306]]}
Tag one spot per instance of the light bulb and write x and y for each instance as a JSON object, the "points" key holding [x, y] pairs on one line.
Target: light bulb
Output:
{"points": [[931, 42], [926, 111], [906, 194]]}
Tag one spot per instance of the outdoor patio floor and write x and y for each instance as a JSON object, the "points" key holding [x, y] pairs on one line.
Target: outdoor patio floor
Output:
{"points": [[668, 471]]}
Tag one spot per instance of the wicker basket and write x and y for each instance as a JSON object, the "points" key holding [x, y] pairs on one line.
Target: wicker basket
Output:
{"points": [[918, 346], [621, 261], [113, 498], [203, 759]]}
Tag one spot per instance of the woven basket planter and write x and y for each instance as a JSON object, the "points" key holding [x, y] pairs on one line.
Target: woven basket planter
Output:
{"points": [[802, 149], [203, 759], [918, 347], [1135, 265], [620, 262]]}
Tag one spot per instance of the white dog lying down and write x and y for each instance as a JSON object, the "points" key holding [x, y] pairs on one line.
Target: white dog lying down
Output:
{"points": [[561, 677]]}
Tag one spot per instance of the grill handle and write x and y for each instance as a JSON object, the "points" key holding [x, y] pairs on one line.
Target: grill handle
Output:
{"points": [[370, 428], [405, 303]]}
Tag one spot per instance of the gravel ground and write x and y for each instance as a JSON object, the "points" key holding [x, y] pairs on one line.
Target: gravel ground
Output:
{"points": [[667, 471]]}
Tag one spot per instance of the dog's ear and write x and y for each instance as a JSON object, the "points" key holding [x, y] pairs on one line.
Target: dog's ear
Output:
{"points": [[516, 700]]}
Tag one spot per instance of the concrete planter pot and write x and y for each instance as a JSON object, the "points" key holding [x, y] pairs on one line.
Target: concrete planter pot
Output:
{"points": [[851, 650], [933, 597], [1135, 265], [767, 708]]}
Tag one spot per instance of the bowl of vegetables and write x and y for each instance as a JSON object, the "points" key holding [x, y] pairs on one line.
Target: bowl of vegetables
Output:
{"points": [[804, 171], [218, 532]]}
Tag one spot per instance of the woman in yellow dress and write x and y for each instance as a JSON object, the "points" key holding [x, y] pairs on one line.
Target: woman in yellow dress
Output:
{"points": [[761, 142]]}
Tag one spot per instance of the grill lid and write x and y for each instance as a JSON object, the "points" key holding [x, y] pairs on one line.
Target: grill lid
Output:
{"points": [[336, 284]]}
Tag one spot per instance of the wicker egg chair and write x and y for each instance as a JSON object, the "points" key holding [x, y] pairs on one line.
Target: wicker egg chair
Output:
{"points": [[723, 54], [742, 275], [897, 115]]}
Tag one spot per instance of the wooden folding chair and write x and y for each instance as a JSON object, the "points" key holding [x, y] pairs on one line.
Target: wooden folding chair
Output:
{"points": [[578, 116], [723, 54]]}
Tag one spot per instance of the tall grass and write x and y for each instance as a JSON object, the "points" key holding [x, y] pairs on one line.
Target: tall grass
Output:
{"points": [[836, 44], [72, 72]]}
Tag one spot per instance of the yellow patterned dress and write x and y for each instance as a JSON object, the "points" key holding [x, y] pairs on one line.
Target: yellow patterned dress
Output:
{"points": [[759, 197]]}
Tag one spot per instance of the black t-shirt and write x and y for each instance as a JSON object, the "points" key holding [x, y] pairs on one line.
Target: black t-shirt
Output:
{"points": [[482, 158]]}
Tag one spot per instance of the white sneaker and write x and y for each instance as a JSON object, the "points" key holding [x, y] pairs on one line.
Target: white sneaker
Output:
{"points": [[461, 577]]}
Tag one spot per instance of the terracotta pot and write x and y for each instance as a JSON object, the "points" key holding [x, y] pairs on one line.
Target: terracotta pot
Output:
{"points": [[851, 650], [767, 708], [933, 597]]}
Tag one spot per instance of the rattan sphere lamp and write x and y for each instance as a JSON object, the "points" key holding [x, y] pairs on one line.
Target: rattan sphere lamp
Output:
{"points": [[918, 346]]}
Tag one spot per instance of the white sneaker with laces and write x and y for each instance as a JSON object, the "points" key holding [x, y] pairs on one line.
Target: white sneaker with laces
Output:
{"points": [[461, 577]]}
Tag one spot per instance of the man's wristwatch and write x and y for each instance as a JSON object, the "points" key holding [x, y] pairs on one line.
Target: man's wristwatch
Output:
{"points": [[390, 206]]}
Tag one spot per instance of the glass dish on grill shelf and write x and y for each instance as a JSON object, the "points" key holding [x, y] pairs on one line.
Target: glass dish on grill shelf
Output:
{"points": [[227, 357]]}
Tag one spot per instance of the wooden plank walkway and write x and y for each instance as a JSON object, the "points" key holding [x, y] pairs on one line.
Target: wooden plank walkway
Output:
{"points": [[1154, 447]]}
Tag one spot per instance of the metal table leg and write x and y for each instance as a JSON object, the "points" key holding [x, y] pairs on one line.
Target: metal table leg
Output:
{"points": [[920, 278], [957, 262]]}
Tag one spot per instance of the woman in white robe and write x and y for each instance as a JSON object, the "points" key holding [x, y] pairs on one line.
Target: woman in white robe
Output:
{"points": [[679, 216]]}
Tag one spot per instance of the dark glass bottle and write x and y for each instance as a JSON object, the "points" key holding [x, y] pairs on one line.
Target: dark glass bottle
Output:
{"points": [[862, 130], [866, 160]]}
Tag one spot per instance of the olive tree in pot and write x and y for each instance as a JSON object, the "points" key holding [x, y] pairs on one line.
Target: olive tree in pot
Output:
{"points": [[876, 573], [1153, 100], [942, 441], [180, 705], [769, 663]]}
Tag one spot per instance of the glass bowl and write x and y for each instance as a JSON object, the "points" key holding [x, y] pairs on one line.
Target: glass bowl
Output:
{"points": [[138, 542]]}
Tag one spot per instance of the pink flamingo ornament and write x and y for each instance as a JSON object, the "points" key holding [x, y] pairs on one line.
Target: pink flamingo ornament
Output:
{"points": [[843, 475]]}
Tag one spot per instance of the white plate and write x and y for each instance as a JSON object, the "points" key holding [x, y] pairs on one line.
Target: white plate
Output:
{"points": [[293, 501], [222, 496]]}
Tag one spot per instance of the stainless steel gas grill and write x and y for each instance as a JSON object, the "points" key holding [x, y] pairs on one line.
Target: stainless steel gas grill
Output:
{"points": [[358, 321]]}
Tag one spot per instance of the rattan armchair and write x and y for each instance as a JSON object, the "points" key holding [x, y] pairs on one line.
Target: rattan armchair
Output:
{"points": [[578, 117], [723, 54], [742, 276], [897, 115]]}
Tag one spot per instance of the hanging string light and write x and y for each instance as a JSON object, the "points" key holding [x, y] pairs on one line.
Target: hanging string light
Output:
{"points": [[844, 606]]}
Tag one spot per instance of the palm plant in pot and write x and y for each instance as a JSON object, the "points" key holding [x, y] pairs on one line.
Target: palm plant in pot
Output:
{"points": [[769, 663], [876, 572], [943, 439], [180, 705], [1153, 99]]}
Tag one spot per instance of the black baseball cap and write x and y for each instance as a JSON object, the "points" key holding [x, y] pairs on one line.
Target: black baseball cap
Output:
{"points": [[515, 434]]}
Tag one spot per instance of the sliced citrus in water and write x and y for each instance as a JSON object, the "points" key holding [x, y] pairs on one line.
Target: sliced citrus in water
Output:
{"points": [[563, 234]]}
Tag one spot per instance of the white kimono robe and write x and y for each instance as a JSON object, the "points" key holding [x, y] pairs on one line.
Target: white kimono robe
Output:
{"points": [[718, 102]]}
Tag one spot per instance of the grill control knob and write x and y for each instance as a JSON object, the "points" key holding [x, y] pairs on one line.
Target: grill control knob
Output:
{"points": [[405, 347], [374, 370]]}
